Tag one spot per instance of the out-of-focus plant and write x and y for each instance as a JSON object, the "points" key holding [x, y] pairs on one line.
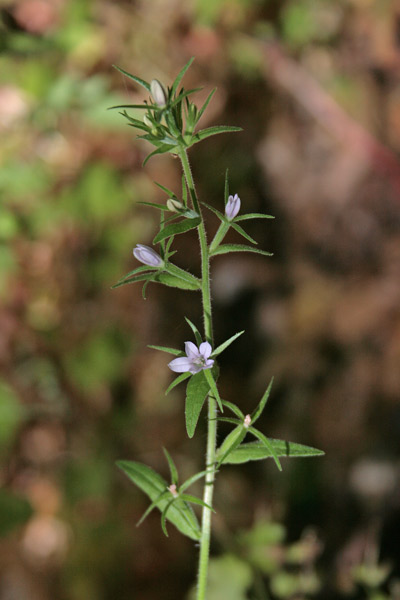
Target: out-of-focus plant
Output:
{"points": [[169, 123]]}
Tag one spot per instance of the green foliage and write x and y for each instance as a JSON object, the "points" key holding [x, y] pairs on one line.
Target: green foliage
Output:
{"points": [[196, 393], [11, 415], [258, 451]]}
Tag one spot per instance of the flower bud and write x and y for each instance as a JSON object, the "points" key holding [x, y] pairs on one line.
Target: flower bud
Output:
{"points": [[147, 256], [172, 489], [174, 205], [232, 207], [158, 92], [247, 421], [147, 122]]}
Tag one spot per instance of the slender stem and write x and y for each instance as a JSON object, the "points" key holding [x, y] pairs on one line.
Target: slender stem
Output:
{"points": [[212, 408]]}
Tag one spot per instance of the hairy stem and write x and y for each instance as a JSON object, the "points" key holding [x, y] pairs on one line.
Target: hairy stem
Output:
{"points": [[212, 408]]}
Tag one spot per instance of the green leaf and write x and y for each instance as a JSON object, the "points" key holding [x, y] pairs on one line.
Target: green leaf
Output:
{"points": [[164, 515], [183, 95], [183, 283], [196, 332], [151, 483], [227, 248], [235, 409], [137, 79], [205, 133], [135, 106], [206, 103], [144, 277], [192, 480], [228, 342], [264, 440], [232, 441], [172, 468], [195, 500], [196, 393], [152, 506], [136, 271], [258, 411], [242, 232], [176, 228], [177, 381], [213, 387], [253, 216], [167, 350], [180, 76], [163, 149], [154, 205], [258, 451], [169, 192]]}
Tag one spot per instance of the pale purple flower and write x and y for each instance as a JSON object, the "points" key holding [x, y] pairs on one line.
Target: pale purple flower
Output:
{"points": [[147, 256], [232, 207], [196, 359], [158, 92]]}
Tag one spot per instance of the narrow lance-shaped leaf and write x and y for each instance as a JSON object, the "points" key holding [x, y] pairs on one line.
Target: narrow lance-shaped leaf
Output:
{"points": [[206, 103], [253, 216], [137, 79], [195, 500], [267, 444], [176, 228], [232, 441], [177, 381], [196, 393], [195, 331], [161, 150], [258, 451], [180, 76], [225, 344], [181, 282], [205, 133], [227, 248], [134, 279], [152, 506], [242, 232], [192, 480], [152, 484], [167, 350], [172, 468], [235, 409], [213, 387], [258, 411]]}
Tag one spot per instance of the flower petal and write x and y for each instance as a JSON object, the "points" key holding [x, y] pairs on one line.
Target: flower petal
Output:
{"points": [[205, 350], [191, 350], [181, 365]]}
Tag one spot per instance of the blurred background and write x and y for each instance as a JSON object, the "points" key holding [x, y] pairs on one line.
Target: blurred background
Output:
{"points": [[315, 85]]}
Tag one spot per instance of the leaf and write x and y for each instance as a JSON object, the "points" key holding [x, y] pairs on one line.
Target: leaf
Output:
{"points": [[264, 440], [137, 79], [180, 76], [196, 393], [182, 95], [206, 103], [213, 387], [151, 506], [257, 451], [176, 228], [167, 350], [195, 500], [258, 411], [253, 216], [169, 192], [227, 248], [235, 409], [152, 484], [139, 106], [183, 283], [205, 133], [242, 232], [228, 342], [161, 150], [172, 468], [177, 381], [192, 480], [195, 331], [232, 441], [153, 205], [144, 277], [140, 269]]}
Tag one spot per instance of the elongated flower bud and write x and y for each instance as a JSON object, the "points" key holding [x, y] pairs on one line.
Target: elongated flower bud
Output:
{"points": [[147, 256], [174, 205], [232, 207], [158, 92]]}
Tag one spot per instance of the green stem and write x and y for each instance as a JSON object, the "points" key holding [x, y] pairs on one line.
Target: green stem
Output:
{"points": [[212, 407]]}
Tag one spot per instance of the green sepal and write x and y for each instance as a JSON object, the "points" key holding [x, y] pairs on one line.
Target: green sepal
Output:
{"points": [[137, 79], [177, 381], [196, 332], [152, 484], [225, 344], [258, 451], [259, 409], [196, 393], [227, 248], [205, 133], [173, 351], [176, 228]]}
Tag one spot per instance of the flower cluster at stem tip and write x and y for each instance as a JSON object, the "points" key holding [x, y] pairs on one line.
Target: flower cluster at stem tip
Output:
{"points": [[196, 359]]}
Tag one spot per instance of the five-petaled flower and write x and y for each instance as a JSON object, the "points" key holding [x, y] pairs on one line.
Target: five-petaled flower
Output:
{"points": [[147, 256], [232, 207], [196, 359]]}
